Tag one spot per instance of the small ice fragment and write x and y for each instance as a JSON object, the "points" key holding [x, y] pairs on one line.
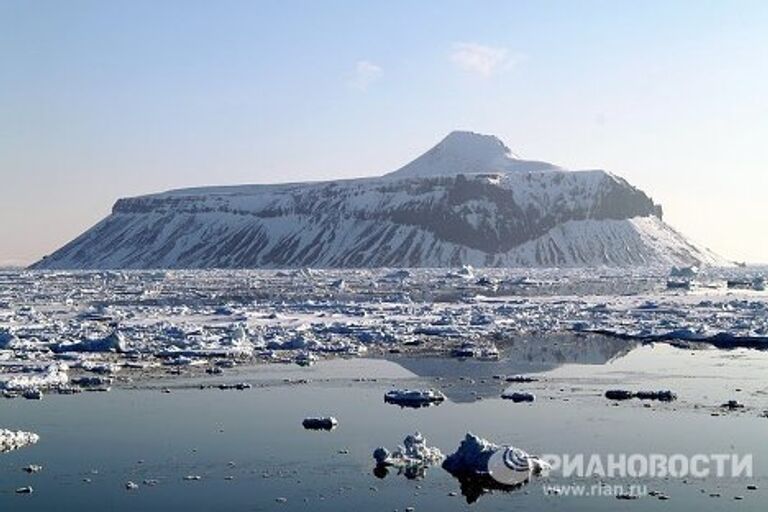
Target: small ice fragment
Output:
{"points": [[662, 396], [732, 405], [32, 394], [618, 394], [412, 458], [518, 396], [521, 379], [413, 398], [320, 423], [13, 440], [113, 342]]}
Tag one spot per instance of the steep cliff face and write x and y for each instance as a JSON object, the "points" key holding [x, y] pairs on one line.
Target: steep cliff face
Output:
{"points": [[498, 211]]}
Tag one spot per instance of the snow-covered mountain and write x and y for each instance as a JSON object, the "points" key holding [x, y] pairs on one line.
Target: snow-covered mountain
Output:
{"points": [[468, 200]]}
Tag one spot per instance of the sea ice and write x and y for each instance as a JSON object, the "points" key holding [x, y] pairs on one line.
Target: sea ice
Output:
{"points": [[414, 397], [412, 458], [13, 440], [320, 423], [503, 465]]}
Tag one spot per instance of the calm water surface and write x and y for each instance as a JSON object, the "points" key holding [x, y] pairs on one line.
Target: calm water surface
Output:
{"points": [[255, 436]]}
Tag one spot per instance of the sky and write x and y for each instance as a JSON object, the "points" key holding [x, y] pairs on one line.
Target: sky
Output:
{"points": [[102, 100]]}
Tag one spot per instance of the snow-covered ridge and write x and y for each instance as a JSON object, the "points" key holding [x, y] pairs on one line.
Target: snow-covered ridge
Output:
{"points": [[427, 214]]}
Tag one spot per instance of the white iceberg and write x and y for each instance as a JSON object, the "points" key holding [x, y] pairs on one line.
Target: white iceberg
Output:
{"points": [[411, 459], [501, 466]]}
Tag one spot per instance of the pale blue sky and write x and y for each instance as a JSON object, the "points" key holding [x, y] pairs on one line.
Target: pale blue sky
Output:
{"points": [[103, 99]]}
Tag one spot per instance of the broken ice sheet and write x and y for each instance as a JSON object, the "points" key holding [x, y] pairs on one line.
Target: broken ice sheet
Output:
{"points": [[174, 321]]}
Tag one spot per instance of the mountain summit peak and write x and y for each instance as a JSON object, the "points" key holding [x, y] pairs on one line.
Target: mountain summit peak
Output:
{"points": [[466, 152], [479, 144]]}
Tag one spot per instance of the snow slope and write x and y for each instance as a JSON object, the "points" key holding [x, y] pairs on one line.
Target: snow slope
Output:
{"points": [[467, 153], [466, 201]]}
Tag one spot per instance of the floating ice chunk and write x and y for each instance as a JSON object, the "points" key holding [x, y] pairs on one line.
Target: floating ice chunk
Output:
{"points": [[183, 361], [682, 277], [518, 396], [487, 282], [732, 405], [679, 283], [662, 396], [320, 423], [499, 466], [32, 394], [623, 394], [479, 318], [414, 397], [684, 272], [413, 458], [305, 358], [238, 334], [240, 386], [92, 381], [13, 440], [397, 275], [99, 367], [471, 457], [487, 351], [113, 342], [415, 448], [746, 283], [618, 394], [297, 342], [521, 379], [54, 375], [465, 272]]}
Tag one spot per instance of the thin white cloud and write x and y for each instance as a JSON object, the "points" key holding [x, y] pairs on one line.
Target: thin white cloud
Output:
{"points": [[365, 74], [479, 59]]}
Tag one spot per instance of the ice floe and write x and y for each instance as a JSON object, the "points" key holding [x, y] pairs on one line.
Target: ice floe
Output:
{"points": [[623, 394], [320, 423], [414, 397], [518, 396], [104, 323], [482, 466], [411, 459], [13, 440]]}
